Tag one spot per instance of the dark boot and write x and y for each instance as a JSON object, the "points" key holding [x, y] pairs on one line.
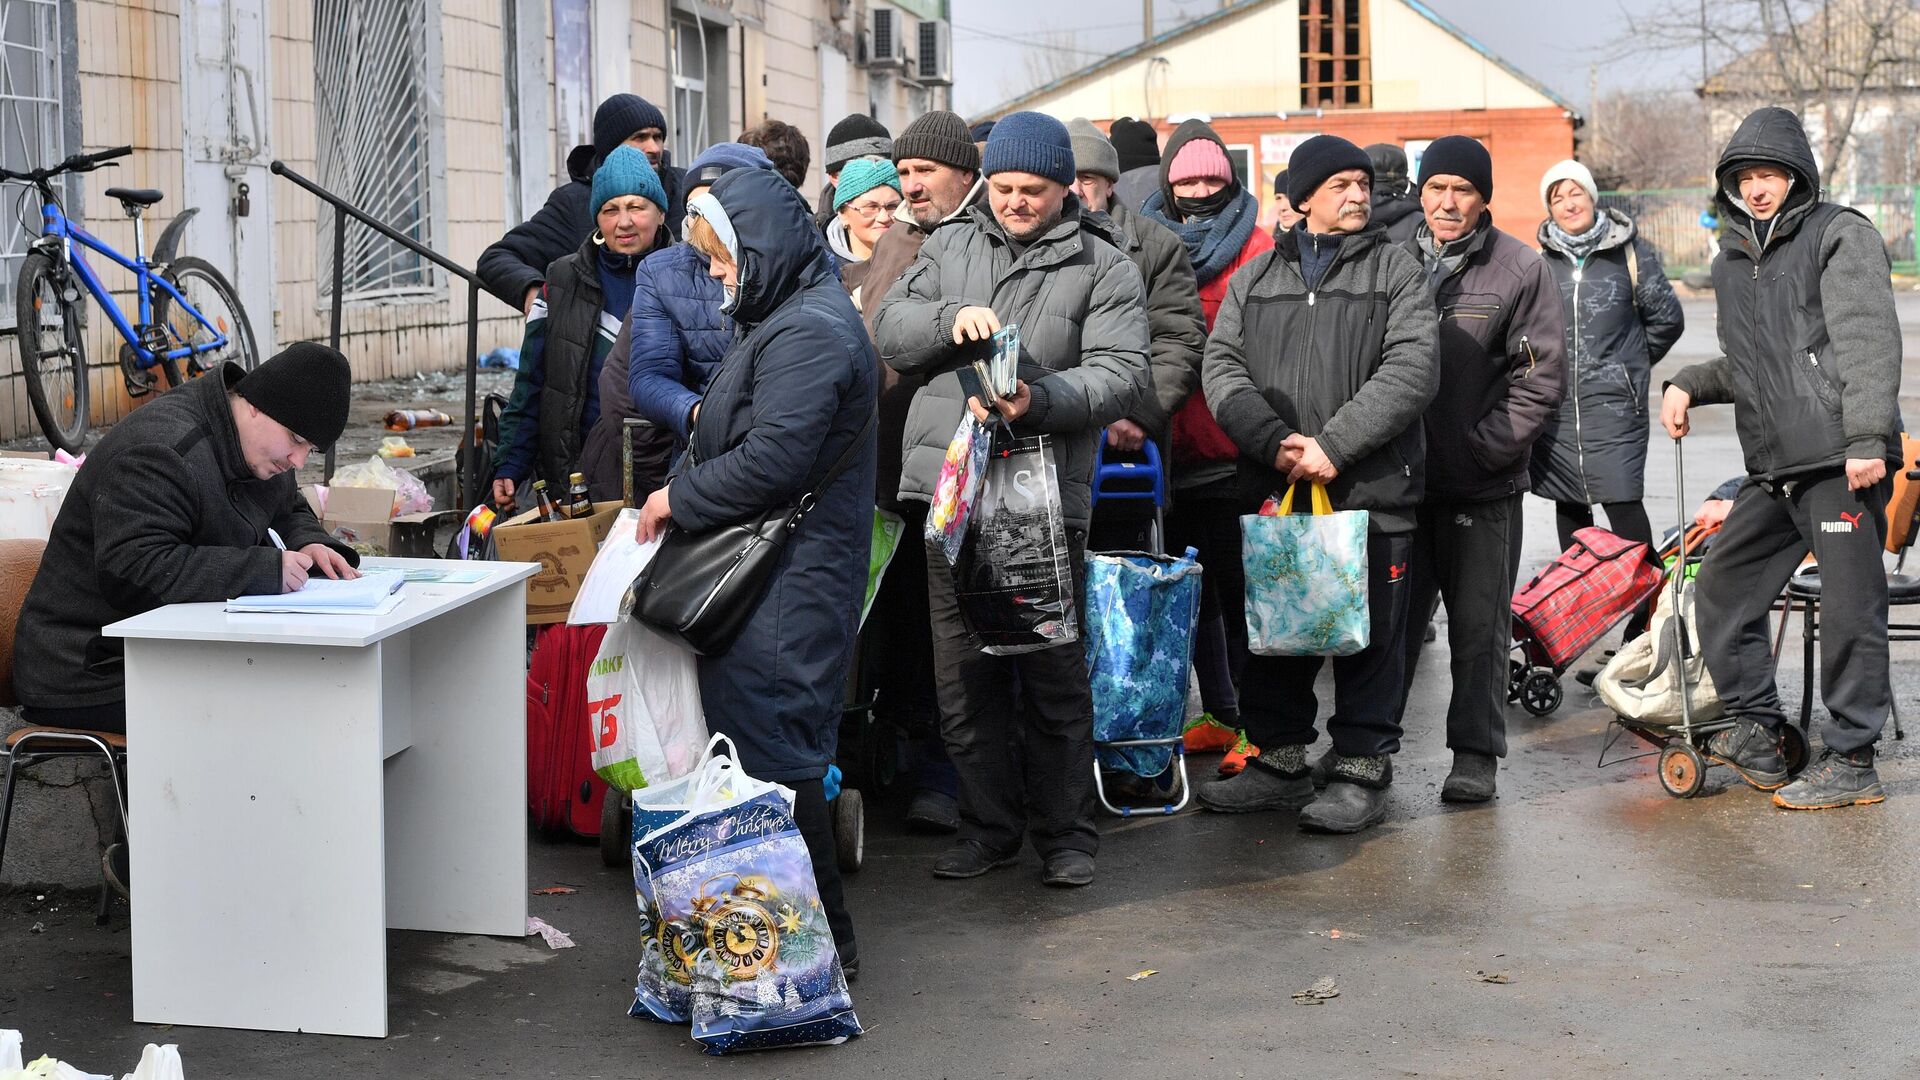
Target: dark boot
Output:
{"points": [[1836, 779], [933, 812], [1068, 869], [1276, 780], [970, 858], [1753, 751], [1356, 796], [1472, 778]]}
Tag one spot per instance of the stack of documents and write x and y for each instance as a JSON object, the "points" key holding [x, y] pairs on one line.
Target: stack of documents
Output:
{"points": [[376, 592]]}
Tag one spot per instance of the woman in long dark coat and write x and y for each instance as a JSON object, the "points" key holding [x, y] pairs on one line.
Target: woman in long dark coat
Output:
{"points": [[796, 391]]}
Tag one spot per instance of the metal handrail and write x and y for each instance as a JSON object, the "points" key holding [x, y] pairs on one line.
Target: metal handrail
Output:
{"points": [[469, 481]]}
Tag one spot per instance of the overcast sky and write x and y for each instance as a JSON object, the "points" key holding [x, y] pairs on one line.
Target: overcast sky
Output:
{"points": [[991, 40]]}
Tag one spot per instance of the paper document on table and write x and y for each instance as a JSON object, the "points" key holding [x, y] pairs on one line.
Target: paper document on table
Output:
{"points": [[602, 595], [374, 593]]}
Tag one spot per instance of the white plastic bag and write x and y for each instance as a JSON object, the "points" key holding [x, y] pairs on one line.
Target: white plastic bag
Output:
{"points": [[409, 494], [1643, 680], [42, 1068], [643, 708], [158, 1063]]}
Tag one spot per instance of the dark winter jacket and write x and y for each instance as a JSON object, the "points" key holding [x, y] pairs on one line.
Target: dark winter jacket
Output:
{"points": [[1083, 339], [165, 511], [1622, 317], [1502, 340], [1810, 339], [1176, 327], [556, 399], [796, 391], [1350, 363], [518, 261], [653, 445], [1135, 185], [1396, 212], [679, 336]]}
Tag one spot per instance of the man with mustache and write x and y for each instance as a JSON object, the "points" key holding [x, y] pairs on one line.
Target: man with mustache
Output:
{"points": [[1320, 365], [1502, 336]]}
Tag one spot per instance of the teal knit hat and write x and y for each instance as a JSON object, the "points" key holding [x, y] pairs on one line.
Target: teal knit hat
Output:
{"points": [[862, 175], [626, 172]]}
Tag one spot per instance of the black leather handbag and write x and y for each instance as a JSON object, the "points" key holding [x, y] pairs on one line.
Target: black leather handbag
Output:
{"points": [[701, 588]]}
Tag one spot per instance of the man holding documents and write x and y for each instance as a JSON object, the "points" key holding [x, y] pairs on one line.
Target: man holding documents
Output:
{"points": [[189, 499]]}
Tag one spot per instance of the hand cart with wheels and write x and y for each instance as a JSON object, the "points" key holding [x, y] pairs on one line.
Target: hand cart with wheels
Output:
{"points": [[1681, 746], [1138, 625]]}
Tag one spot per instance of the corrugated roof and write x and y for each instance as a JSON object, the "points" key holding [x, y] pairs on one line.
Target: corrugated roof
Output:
{"points": [[1244, 7]]}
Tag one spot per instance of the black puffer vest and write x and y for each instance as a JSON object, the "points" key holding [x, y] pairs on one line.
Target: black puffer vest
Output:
{"points": [[1775, 333], [574, 300]]}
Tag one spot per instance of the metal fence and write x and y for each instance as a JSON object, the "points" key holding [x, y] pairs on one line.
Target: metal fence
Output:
{"points": [[1670, 220]]}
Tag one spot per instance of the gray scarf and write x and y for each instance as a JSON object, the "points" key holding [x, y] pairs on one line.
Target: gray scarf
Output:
{"points": [[1581, 246]]}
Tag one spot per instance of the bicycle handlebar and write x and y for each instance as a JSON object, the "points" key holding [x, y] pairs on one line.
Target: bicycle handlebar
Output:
{"points": [[76, 163]]}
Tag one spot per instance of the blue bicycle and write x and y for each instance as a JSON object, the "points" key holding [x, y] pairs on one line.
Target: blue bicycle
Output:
{"points": [[188, 312]]}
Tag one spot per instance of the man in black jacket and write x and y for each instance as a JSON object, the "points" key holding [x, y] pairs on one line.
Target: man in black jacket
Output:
{"points": [[1811, 362], [515, 266], [1394, 207], [1320, 365], [1502, 336], [187, 500]]}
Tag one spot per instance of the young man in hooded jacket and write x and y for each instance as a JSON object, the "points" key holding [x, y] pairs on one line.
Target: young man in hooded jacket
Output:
{"points": [[1811, 363]]}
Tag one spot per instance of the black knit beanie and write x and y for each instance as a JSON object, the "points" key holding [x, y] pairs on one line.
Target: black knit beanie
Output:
{"points": [[1317, 159], [856, 136], [618, 118], [307, 387], [1461, 156], [1136, 143], [938, 136]]}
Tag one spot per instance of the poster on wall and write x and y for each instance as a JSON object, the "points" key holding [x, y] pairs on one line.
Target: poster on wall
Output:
{"points": [[1276, 148], [572, 78]]}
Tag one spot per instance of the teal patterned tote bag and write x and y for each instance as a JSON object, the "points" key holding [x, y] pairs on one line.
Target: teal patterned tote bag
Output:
{"points": [[1306, 579]]}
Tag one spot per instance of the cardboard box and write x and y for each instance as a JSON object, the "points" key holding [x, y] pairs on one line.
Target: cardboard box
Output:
{"points": [[564, 550], [361, 518]]}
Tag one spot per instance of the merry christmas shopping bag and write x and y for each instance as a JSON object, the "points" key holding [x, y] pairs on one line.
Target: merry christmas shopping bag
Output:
{"points": [[1306, 579], [741, 921]]}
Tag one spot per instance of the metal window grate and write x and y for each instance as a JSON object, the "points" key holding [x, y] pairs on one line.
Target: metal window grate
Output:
{"points": [[1336, 70], [29, 123], [370, 96]]}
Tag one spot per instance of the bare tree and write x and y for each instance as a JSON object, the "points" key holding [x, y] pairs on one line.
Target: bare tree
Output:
{"points": [[1053, 55], [1648, 139], [1822, 58]]}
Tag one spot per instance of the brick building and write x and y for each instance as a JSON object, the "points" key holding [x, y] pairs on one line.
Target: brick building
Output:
{"points": [[1268, 74], [449, 119]]}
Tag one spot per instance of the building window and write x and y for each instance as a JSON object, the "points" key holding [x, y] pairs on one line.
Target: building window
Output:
{"points": [[1335, 72], [1241, 154], [370, 96], [29, 120], [699, 117], [573, 100]]}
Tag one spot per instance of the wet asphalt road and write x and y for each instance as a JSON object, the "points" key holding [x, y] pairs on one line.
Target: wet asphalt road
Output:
{"points": [[1642, 935]]}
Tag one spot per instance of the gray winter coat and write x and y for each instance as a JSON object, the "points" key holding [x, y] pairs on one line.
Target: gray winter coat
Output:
{"points": [[1176, 326], [1351, 363], [1808, 330], [1594, 450], [165, 511], [1083, 339]]}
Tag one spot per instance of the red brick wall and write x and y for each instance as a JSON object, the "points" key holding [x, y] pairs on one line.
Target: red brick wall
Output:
{"points": [[1524, 144]]}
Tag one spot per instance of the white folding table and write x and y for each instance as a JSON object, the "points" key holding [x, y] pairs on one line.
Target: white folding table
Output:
{"points": [[301, 783]]}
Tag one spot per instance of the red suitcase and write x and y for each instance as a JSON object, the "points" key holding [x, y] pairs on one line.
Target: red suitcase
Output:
{"points": [[1580, 596], [563, 791]]}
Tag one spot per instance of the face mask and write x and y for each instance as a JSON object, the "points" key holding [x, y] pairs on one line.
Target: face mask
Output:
{"points": [[1206, 206], [732, 301]]}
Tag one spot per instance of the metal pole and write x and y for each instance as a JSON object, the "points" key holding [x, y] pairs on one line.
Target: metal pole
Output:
{"points": [[1146, 16], [469, 453], [339, 274]]}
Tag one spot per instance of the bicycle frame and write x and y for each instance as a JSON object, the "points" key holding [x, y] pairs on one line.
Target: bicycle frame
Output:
{"points": [[72, 239]]}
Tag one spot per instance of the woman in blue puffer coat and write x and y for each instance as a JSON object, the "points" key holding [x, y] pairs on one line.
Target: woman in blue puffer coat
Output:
{"points": [[795, 396]]}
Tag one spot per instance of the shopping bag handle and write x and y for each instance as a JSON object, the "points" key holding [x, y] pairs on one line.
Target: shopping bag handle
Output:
{"points": [[1321, 504]]}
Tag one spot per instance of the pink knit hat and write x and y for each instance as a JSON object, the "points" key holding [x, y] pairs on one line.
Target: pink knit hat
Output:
{"points": [[1199, 159]]}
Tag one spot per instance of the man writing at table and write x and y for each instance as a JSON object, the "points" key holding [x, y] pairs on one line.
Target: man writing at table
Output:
{"points": [[185, 500]]}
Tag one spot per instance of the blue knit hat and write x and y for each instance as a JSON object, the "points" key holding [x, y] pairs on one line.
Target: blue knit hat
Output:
{"points": [[1030, 142], [722, 158], [861, 175], [626, 172]]}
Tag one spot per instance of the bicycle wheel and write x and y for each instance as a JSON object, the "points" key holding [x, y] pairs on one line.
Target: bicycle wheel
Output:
{"points": [[53, 350], [206, 288]]}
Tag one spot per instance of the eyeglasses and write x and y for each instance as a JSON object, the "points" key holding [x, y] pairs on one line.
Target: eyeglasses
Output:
{"points": [[871, 210]]}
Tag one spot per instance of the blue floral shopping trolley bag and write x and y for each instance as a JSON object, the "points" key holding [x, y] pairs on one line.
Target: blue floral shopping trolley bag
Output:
{"points": [[1306, 579], [1140, 613]]}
